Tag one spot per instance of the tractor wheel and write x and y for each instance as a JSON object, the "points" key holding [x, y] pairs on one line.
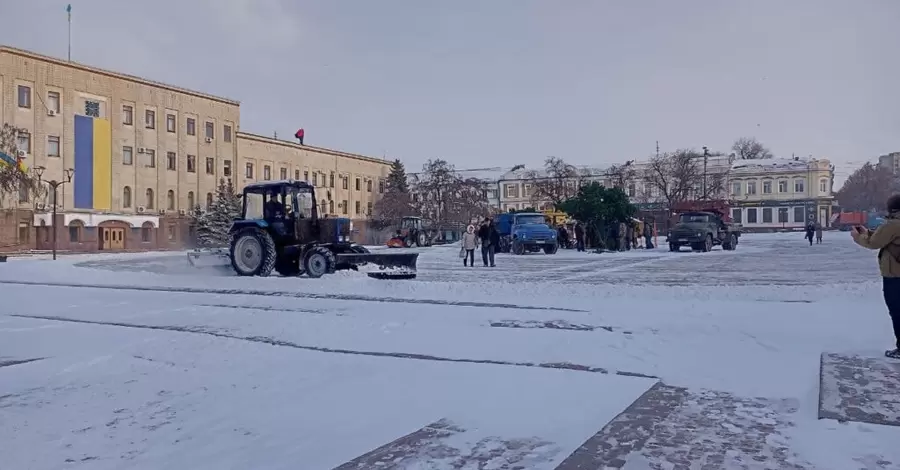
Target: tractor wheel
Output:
{"points": [[550, 249], [318, 262], [421, 240], [406, 242], [289, 267], [252, 252], [518, 248], [707, 244]]}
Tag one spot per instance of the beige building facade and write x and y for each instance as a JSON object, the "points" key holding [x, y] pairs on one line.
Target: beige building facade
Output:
{"points": [[145, 154]]}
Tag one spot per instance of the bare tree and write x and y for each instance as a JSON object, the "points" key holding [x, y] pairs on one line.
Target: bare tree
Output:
{"points": [[619, 176], [557, 182], [13, 180], [748, 148], [867, 188], [679, 177], [445, 198]]}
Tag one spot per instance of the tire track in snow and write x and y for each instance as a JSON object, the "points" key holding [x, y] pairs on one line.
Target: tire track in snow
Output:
{"points": [[298, 295], [289, 344], [16, 362]]}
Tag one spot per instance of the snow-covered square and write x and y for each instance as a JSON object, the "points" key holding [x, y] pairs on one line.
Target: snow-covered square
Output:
{"points": [[638, 360]]}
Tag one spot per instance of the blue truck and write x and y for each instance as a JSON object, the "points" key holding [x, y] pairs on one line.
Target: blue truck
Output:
{"points": [[525, 232]]}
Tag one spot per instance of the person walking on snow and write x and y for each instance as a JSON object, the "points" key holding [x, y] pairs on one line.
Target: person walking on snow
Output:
{"points": [[490, 240], [648, 235], [579, 236], [470, 242], [810, 230], [818, 233], [886, 239]]}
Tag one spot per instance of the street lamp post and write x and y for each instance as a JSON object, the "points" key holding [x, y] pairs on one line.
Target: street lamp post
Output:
{"points": [[705, 159], [54, 185]]}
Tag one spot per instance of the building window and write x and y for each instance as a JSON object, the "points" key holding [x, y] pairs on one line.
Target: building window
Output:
{"points": [[151, 158], [226, 133], [171, 232], [53, 101], [282, 174], [126, 197], [267, 172], [799, 214], [191, 164], [248, 171], [210, 130], [23, 193], [736, 188], [358, 207], [53, 146], [23, 142], [736, 215], [369, 186], [823, 186], [345, 182], [306, 176], [170, 200], [150, 119], [315, 179], [226, 168], [369, 208], [24, 232], [358, 184], [751, 188], [208, 201], [767, 215], [92, 108], [331, 206], [331, 180], [149, 196], [297, 175], [190, 200], [799, 186], [210, 166], [344, 207], [767, 187], [74, 231], [127, 115], [511, 190], [171, 161], [751, 215], [127, 155], [146, 232], [191, 126], [782, 186], [380, 186], [170, 123], [24, 97], [782, 215]]}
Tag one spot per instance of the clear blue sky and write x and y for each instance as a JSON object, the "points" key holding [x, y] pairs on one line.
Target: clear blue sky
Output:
{"points": [[502, 82]]}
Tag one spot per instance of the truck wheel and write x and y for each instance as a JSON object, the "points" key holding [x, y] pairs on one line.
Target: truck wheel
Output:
{"points": [[252, 252], [674, 247], [421, 240], [518, 248], [731, 243], [288, 267], [707, 244], [550, 249], [318, 262]]}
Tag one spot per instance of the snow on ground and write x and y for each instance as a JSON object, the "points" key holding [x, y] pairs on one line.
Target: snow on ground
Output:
{"points": [[141, 361]]}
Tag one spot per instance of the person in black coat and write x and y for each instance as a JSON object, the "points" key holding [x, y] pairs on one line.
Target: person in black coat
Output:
{"points": [[579, 236], [490, 241]]}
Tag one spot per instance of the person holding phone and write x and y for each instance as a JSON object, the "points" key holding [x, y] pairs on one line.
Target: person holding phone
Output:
{"points": [[886, 239]]}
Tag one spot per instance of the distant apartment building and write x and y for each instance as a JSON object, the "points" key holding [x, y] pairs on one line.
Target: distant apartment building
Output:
{"points": [[890, 161], [144, 155]]}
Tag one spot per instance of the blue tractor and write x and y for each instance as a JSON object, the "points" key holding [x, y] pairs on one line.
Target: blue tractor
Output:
{"points": [[280, 229], [525, 232]]}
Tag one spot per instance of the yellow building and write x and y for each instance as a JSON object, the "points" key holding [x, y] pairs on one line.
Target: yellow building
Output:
{"points": [[145, 153]]}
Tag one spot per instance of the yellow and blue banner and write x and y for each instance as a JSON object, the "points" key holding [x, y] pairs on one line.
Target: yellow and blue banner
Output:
{"points": [[8, 160], [93, 163]]}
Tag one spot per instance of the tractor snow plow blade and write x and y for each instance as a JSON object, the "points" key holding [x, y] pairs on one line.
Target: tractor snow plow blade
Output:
{"points": [[390, 265], [209, 258]]}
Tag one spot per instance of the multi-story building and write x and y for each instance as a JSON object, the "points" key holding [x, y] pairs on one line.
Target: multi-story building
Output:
{"points": [[517, 190], [777, 194], [890, 161], [144, 154]]}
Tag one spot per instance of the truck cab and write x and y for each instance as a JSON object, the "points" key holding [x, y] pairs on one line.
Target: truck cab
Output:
{"points": [[702, 230], [525, 232]]}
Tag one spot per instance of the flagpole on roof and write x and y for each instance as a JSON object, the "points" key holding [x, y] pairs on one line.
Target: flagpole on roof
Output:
{"points": [[69, 11]]}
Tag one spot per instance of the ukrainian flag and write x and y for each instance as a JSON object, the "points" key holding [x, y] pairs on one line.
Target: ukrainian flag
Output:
{"points": [[6, 160], [93, 163]]}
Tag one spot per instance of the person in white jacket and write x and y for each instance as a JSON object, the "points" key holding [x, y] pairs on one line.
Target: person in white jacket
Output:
{"points": [[470, 242]]}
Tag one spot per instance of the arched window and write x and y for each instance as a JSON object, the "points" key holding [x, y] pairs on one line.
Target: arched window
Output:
{"points": [[149, 204], [190, 200], [331, 207], [170, 200], [208, 200], [126, 197], [147, 232], [75, 228], [324, 208]]}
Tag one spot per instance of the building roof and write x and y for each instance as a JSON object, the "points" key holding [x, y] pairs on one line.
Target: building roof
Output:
{"points": [[311, 148], [525, 173], [111, 74], [775, 165], [491, 174]]}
